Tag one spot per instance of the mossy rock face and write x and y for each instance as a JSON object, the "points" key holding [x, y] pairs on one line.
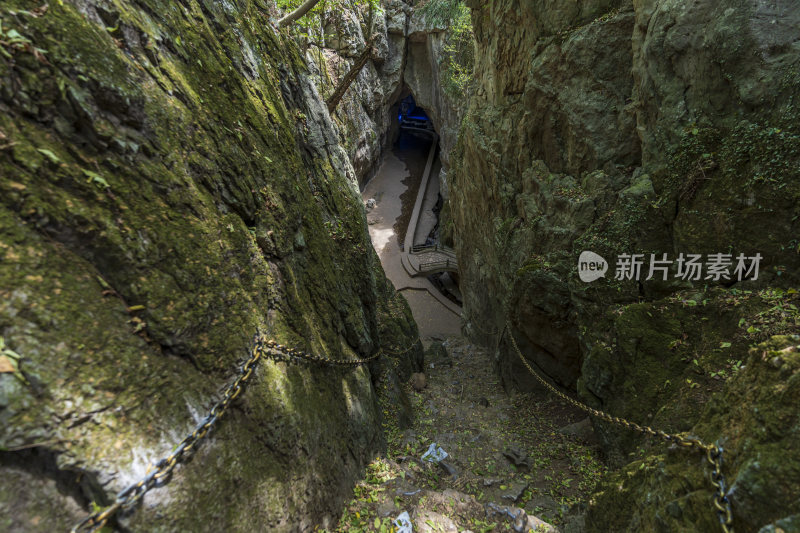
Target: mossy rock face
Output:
{"points": [[166, 193], [620, 127], [647, 127], [756, 421], [659, 363]]}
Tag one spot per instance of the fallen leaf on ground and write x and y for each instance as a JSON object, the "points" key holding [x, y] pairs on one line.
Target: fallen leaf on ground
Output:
{"points": [[7, 365]]}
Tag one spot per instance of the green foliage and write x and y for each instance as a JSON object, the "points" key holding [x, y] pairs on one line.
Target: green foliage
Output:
{"points": [[768, 154], [50, 155], [781, 316], [309, 26], [12, 41], [752, 154], [323, 5], [504, 231], [443, 12], [459, 50]]}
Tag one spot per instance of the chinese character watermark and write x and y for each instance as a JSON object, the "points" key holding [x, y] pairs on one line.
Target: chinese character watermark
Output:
{"points": [[688, 267]]}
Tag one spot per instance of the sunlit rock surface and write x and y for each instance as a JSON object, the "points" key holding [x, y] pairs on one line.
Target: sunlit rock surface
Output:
{"points": [[171, 183]]}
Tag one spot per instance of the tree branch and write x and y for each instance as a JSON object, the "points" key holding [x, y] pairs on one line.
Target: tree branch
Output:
{"points": [[366, 55], [304, 8]]}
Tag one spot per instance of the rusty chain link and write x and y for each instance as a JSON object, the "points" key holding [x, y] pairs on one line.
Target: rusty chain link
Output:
{"points": [[413, 345], [159, 473], [713, 452]]}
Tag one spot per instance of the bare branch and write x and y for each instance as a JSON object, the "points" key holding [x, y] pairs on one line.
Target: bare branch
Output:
{"points": [[351, 75], [304, 8]]}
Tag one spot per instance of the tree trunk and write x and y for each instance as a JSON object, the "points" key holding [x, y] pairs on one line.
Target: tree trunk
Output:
{"points": [[333, 100], [304, 8]]}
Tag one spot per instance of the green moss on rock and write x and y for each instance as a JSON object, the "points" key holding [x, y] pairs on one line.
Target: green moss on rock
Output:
{"points": [[157, 169], [754, 417]]}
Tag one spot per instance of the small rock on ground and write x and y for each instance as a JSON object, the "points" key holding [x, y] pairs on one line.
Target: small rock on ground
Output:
{"points": [[583, 430], [515, 491], [418, 381]]}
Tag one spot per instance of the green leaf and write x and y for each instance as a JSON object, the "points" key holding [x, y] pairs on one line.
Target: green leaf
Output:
{"points": [[12, 354], [724, 345], [95, 177], [690, 303], [103, 283], [14, 36], [50, 155], [377, 523]]}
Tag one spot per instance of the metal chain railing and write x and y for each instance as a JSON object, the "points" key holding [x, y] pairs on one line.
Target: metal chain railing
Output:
{"points": [[159, 473], [713, 452], [389, 352]]}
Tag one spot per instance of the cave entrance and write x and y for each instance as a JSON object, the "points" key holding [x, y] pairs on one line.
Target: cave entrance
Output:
{"points": [[411, 116], [404, 202], [414, 141]]}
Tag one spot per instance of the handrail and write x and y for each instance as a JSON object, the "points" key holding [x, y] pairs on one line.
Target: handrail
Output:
{"points": [[423, 248], [446, 265], [417, 128]]}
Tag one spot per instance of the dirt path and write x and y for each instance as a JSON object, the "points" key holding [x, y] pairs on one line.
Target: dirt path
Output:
{"points": [[515, 463], [394, 188]]}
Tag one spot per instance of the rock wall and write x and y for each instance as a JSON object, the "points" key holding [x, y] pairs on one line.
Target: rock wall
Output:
{"points": [[423, 75], [407, 60], [169, 185], [550, 111], [363, 117], [638, 127]]}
